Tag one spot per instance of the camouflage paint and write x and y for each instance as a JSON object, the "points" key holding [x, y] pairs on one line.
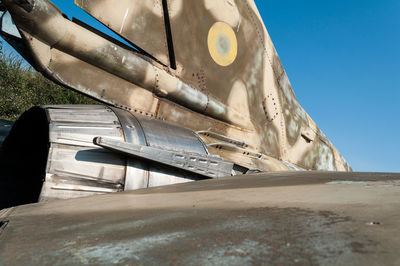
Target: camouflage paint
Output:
{"points": [[248, 97]]}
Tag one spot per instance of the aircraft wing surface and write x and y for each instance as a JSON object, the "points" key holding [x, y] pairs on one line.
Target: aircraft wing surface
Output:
{"points": [[270, 218]]}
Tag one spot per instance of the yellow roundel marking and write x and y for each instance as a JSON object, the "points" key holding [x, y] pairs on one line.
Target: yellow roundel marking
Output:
{"points": [[222, 44]]}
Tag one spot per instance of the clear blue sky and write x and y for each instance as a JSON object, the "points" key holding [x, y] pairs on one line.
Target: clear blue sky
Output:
{"points": [[342, 58]]}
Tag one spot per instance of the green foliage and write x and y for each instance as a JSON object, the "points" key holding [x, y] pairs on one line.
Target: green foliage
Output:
{"points": [[22, 88]]}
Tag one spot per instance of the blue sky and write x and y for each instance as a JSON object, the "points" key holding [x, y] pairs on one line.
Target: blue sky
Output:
{"points": [[342, 59]]}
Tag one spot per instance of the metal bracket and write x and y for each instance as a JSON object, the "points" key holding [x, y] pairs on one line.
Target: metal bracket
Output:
{"points": [[223, 138], [209, 166]]}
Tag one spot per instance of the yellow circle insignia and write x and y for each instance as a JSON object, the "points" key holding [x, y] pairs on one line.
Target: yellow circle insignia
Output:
{"points": [[222, 44]]}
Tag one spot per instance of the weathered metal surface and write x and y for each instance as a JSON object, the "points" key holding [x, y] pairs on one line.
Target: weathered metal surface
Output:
{"points": [[223, 138], [306, 218], [73, 158], [76, 167], [48, 25], [250, 99], [163, 135], [133, 21], [209, 166], [69, 165], [229, 85]]}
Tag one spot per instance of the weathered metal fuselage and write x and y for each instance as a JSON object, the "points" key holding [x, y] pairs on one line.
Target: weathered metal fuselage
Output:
{"points": [[242, 93], [207, 68], [203, 95]]}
